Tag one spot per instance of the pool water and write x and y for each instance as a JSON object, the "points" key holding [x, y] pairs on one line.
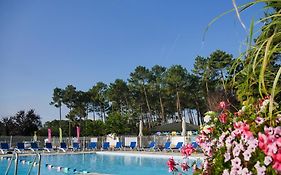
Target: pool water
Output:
{"points": [[96, 163]]}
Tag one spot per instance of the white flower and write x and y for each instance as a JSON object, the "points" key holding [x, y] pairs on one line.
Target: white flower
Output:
{"points": [[236, 162], [247, 155], [226, 156], [245, 171], [264, 105], [207, 118], [225, 172], [259, 120], [207, 129], [236, 151], [265, 102], [267, 160], [260, 169]]}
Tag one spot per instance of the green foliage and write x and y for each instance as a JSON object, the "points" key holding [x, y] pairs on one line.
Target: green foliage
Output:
{"points": [[54, 126], [118, 93], [262, 61], [88, 128], [23, 123], [93, 128], [116, 123], [154, 95], [213, 72], [256, 80]]}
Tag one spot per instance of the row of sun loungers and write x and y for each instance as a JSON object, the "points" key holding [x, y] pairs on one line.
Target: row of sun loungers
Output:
{"points": [[93, 146], [5, 148]]}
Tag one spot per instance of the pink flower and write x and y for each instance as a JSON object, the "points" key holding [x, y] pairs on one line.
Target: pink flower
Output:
{"points": [[187, 150], [243, 128], [172, 165], [184, 166], [268, 130], [262, 142], [223, 117], [270, 144], [277, 166], [223, 105]]}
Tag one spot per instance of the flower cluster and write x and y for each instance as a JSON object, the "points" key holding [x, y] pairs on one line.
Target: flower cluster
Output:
{"points": [[245, 142], [270, 144], [186, 151]]}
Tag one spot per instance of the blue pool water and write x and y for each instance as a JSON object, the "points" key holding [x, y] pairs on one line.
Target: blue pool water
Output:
{"points": [[97, 163]]}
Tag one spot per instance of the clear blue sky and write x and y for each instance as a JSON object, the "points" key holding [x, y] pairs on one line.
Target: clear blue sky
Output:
{"points": [[53, 43]]}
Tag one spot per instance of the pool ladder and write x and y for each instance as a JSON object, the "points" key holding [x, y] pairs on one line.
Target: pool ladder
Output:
{"points": [[37, 159]]}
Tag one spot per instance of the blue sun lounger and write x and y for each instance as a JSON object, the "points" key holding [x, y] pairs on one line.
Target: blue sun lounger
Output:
{"points": [[194, 145], [105, 146], [177, 147], [48, 147], [118, 146], [20, 147], [167, 146], [62, 147], [5, 148], [92, 146], [133, 145], [34, 147], [76, 146], [151, 147]]}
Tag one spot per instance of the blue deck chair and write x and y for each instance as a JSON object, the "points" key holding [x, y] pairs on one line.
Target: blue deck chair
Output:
{"points": [[76, 146], [118, 145], [20, 147], [167, 146], [105, 146], [62, 147], [133, 145], [194, 145], [177, 147], [34, 147], [5, 148], [151, 147], [92, 146], [48, 147]]}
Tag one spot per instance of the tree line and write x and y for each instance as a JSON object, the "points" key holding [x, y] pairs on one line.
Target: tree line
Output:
{"points": [[155, 95], [22, 123]]}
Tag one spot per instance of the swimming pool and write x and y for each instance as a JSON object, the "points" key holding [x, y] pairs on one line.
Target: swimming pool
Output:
{"points": [[94, 163]]}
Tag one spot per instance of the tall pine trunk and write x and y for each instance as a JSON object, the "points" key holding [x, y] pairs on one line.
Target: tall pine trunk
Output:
{"points": [[162, 114], [148, 107], [178, 106]]}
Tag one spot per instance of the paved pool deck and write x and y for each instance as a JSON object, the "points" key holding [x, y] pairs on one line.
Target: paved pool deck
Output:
{"points": [[160, 154]]}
